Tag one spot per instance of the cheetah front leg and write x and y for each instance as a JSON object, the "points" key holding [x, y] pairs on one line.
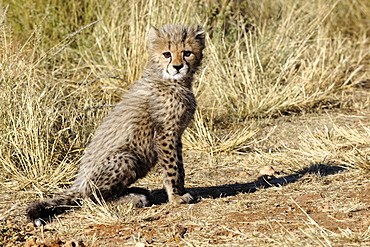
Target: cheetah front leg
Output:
{"points": [[170, 157]]}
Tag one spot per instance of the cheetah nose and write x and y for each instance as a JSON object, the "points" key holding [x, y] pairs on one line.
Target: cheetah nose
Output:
{"points": [[178, 67]]}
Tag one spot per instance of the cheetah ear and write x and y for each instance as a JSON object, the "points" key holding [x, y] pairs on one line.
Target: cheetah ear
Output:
{"points": [[154, 34], [198, 32]]}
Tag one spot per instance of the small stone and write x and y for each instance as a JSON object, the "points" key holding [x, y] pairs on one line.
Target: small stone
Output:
{"points": [[243, 174], [38, 222], [267, 170]]}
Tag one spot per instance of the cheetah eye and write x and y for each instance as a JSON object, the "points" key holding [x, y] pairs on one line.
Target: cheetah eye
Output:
{"points": [[167, 54], [187, 53]]}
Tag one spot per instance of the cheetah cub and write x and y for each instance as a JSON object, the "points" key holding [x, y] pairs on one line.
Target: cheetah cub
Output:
{"points": [[144, 129]]}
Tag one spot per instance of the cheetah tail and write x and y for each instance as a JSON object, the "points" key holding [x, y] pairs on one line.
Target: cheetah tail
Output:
{"points": [[42, 212]]}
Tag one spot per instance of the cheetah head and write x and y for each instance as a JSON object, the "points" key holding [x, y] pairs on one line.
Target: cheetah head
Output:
{"points": [[176, 51]]}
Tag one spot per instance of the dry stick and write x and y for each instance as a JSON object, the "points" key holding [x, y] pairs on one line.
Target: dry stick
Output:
{"points": [[106, 75], [83, 28], [68, 43]]}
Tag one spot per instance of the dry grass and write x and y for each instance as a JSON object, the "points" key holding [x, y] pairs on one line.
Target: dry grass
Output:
{"points": [[284, 83]]}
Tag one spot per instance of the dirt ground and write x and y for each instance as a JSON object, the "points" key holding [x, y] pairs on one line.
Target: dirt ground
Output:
{"points": [[313, 198]]}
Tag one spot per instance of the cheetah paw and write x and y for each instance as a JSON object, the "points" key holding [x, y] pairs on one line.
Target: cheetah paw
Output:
{"points": [[185, 198]]}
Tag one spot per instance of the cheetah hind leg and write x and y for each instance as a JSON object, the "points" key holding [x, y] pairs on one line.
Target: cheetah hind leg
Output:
{"points": [[139, 197]]}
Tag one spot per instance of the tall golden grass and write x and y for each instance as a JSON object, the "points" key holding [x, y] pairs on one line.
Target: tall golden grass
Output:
{"points": [[65, 63]]}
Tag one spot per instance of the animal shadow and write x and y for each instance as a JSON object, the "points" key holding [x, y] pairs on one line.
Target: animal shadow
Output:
{"points": [[262, 182]]}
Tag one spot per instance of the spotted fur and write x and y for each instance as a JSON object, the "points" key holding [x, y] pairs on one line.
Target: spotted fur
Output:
{"points": [[144, 129]]}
